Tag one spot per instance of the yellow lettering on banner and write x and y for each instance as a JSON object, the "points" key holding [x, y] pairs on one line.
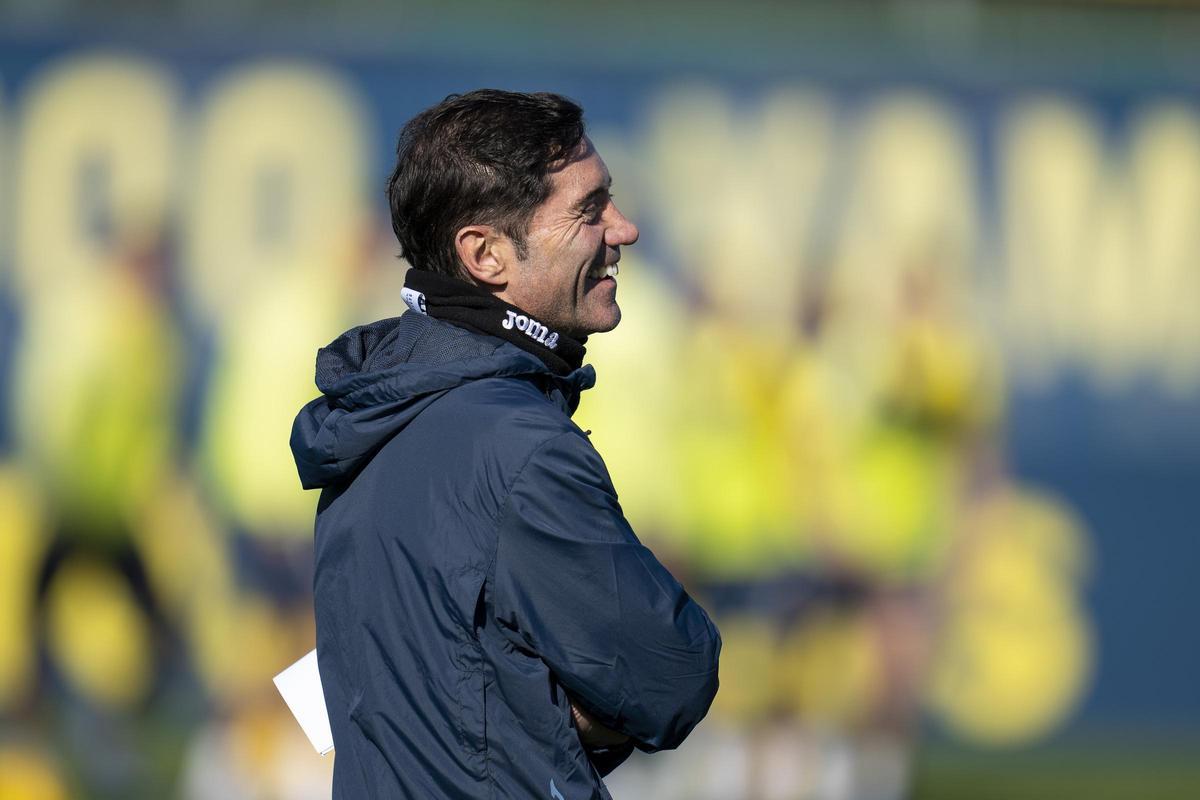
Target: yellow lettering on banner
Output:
{"points": [[1164, 168], [94, 177], [690, 141], [94, 166], [1050, 170], [787, 154], [272, 235], [278, 182], [738, 193], [911, 206], [905, 232], [1100, 252], [1109, 339]]}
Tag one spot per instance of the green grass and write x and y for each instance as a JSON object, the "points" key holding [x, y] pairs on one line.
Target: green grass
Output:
{"points": [[1100, 772]]}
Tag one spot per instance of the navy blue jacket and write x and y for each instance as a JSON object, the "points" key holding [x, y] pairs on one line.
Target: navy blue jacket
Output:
{"points": [[474, 574]]}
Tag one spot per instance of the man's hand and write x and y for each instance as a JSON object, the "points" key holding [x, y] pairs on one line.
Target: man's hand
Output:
{"points": [[592, 733]]}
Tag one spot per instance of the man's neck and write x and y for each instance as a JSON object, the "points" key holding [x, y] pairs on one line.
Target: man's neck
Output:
{"points": [[476, 308]]}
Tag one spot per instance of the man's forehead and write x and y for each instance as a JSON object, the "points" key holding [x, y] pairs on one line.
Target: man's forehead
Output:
{"points": [[583, 172]]}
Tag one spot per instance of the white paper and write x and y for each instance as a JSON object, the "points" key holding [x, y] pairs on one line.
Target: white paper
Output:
{"points": [[300, 685]]}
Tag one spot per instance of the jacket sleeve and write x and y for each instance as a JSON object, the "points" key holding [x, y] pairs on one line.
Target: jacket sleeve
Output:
{"points": [[573, 584]]}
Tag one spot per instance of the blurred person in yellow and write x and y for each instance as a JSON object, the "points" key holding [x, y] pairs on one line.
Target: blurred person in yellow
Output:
{"points": [[97, 389], [1015, 646], [28, 774], [22, 546], [96, 401], [890, 518]]}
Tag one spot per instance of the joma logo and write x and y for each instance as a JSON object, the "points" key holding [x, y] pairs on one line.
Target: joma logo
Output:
{"points": [[531, 328]]}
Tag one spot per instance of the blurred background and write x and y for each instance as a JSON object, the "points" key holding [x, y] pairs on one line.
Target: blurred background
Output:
{"points": [[907, 390]]}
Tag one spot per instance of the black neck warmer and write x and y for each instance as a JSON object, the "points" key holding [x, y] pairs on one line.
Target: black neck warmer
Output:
{"points": [[478, 310]]}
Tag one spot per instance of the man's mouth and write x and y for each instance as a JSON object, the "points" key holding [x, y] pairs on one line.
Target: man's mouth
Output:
{"points": [[603, 271]]}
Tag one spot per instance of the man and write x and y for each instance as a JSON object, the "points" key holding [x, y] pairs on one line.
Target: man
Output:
{"points": [[488, 626]]}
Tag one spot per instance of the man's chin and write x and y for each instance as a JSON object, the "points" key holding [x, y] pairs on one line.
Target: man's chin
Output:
{"points": [[610, 320]]}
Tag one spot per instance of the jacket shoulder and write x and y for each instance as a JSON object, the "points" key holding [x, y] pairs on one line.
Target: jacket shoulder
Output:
{"points": [[509, 408]]}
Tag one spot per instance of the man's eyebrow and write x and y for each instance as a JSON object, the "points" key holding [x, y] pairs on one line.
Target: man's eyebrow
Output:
{"points": [[598, 193]]}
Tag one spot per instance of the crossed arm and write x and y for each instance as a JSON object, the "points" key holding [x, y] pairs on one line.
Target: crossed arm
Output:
{"points": [[637, 656]]}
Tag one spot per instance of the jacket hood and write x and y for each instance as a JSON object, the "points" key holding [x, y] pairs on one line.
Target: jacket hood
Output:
{"points": [[375, 379]]}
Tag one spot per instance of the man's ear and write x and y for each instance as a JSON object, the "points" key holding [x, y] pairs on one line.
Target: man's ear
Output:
{"points": [[486, 254]]}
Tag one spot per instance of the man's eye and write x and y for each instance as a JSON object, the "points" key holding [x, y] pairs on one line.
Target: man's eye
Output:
{"points": [[595, 210]]}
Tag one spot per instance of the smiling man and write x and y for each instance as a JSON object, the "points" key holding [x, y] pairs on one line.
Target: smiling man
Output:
{"points": [[488, 625]]}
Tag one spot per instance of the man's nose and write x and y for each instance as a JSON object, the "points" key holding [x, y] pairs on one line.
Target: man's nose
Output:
{"points": [[622, 231]]}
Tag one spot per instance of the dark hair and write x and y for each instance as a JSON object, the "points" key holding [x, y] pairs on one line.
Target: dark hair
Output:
{"points": [[477, 158]]}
